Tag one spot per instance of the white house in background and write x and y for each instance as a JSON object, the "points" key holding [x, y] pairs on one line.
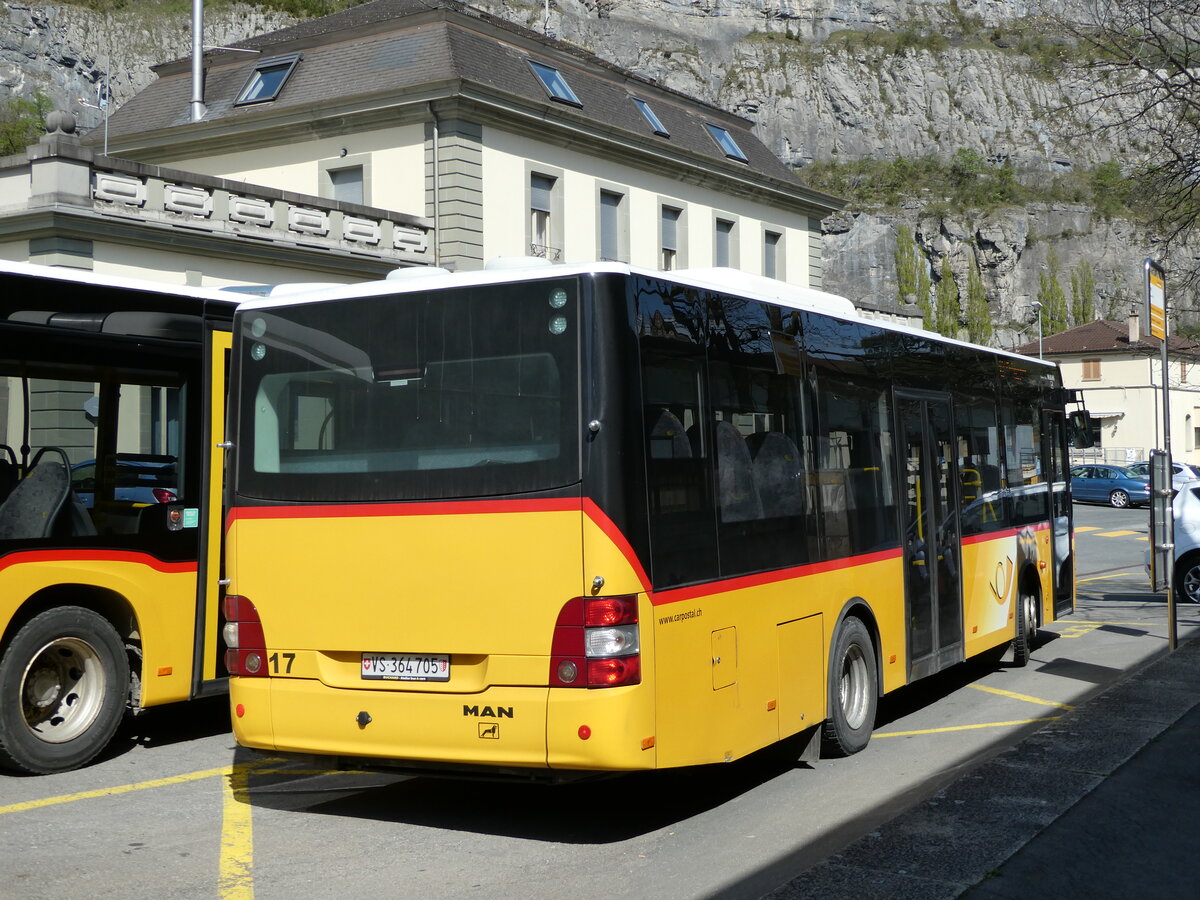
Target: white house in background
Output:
{"points": [[508, 142], [1118, 373]]}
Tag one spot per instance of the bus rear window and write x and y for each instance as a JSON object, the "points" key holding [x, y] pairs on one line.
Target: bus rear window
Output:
{"points": [[455, 394]]}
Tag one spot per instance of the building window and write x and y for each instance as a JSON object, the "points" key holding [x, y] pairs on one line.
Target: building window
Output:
{"points": [[1091, 370], [726, 142], [655, 124], [541, 220], [723, 248], [267, 79], [771, 241], [554, 83], [347, 184], [669, 240], [346, 178], [611, 231], [1183, 369]]}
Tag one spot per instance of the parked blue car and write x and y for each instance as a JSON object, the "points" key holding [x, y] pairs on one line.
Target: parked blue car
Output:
{"points": [[1114, 485], [142, 480]]}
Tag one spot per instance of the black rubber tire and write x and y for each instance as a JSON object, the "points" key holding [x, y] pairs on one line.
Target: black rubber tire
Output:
{"points": [[1026, 616], [1187, 579], [64, 682], [853, 691], [1118, 499]]}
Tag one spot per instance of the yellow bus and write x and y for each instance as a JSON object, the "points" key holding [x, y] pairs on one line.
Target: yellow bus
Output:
{"points": [[585, 519], [110, 506]]}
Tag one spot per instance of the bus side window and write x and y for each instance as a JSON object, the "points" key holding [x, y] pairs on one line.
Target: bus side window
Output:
{"points": [[755, 375]]}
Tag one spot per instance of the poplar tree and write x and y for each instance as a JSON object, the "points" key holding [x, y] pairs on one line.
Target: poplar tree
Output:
{"points": [[979, 317], [948, 310]]}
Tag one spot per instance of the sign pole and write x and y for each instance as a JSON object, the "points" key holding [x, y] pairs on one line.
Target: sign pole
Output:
{"points": [[1156, 317]]}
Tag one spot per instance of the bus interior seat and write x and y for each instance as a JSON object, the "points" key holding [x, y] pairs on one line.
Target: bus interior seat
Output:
{"points": [[778, 473], [667, 436], [737, 492], [33, 507], [10, 471]]}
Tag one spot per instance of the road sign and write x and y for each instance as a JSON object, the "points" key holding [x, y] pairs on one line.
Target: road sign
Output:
{"points": [[1156, 300]]}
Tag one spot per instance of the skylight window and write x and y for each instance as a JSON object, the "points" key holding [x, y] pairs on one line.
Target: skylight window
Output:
{"points": [[267, 79], [654, 121], [726, 142], [554, 83]]}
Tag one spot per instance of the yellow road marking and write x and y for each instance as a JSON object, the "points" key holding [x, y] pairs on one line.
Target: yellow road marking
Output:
{"points": [[1115, 533], [112, 791], [237, 837], [1015, 696], [1144, 538], [966, 727], [1102, 577], [1079, 529]]}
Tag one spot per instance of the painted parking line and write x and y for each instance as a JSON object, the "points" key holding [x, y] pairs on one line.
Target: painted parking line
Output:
{"points": [[1116, 533], [1080, 529], [236, 878], [950, 728], [114, 791], [1022, 697]]}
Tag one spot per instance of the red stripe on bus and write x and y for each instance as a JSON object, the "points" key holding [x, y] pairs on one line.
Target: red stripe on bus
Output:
{"points": [[71, 556], [675, 595], [601, 520]]}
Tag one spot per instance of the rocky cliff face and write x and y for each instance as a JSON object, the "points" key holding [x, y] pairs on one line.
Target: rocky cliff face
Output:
{"points": [[801, 70]]}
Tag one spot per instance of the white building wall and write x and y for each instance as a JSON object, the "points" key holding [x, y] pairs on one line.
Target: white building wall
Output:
{"points": [[396, 171], [507, 160]]}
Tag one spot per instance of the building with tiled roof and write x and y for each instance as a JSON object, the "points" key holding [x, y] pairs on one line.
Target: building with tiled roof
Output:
{"points": [[509, 142], [1118, 373]]}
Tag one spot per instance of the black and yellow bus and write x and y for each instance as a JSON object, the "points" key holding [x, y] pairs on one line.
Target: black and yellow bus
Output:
{"points": [[586, 519], [112, 396]]}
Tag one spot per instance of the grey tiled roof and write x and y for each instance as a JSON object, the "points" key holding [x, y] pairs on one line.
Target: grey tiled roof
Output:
{"points": [[1108, 336], [390, 50]]}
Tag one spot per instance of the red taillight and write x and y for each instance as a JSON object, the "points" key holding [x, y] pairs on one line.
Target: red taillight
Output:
{"points": [[243, 633], [162, 495], [596, 643]]}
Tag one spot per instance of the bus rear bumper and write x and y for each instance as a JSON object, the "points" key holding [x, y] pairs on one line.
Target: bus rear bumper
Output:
{"points": [[520, 728]]}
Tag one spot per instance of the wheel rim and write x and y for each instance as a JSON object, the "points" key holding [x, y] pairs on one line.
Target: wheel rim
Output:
{"points": [[62, 690], [1191, 584], [1119, 499], [852, 690], [1030, 620]]}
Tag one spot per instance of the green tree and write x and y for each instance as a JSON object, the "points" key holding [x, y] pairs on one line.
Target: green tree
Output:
{"points": [[948, 310], [924, 301], [1083, 293], [22, 121], [906, 264], [979, 317], [1052, 297]]}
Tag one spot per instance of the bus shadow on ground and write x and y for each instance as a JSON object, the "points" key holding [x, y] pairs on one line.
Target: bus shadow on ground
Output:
{"points": [[174, 723], [600, 811]]}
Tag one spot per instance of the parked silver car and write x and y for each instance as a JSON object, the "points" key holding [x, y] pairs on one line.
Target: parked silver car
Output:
{"points": [[1186, 509], [1181, 473]]}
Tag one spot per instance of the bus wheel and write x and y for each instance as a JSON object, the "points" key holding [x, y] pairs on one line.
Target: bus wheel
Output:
{"points": [[64, 679], [853, 691], [1026, 626]]}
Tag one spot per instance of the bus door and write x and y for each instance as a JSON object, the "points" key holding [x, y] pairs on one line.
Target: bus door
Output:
{"points": [[1056, 466], [932, 535]]}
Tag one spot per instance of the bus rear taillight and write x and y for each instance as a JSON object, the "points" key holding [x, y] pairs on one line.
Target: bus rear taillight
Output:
{"points": [[243, 633], [596, 643]]}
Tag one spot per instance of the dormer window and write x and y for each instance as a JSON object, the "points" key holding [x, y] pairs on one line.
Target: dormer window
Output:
{"points": [[726, 142], [267, 79], [656, 124], [554, 83]]}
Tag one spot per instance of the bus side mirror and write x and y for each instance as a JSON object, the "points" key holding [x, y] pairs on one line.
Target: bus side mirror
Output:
{"points": [[1079, 430]]}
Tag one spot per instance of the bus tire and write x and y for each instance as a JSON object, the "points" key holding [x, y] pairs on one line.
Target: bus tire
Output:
{"points": [[64, 682], [853, 691], [1026, 616]]}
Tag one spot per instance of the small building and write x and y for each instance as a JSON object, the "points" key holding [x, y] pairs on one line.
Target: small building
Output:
{"points": [[1118, 373], [508, 142]]}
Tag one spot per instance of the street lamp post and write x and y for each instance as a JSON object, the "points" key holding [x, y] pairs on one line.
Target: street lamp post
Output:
{"points": [[1036, 304]]}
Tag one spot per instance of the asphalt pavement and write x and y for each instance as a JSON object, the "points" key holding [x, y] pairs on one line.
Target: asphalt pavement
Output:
{"points": [[1104, 802]]}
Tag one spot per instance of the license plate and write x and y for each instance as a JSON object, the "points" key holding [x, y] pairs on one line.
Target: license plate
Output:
{"points": [[406, 666]]}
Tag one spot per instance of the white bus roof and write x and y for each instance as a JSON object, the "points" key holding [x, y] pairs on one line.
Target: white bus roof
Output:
{"points": [[503, 271], [80, 276]]}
